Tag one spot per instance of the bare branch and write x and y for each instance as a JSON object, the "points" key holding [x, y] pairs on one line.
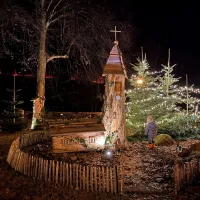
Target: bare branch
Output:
{"points": [[56, 57], [55, 7], [59, 11], [49, 5], [56, 19], [64, 56]]}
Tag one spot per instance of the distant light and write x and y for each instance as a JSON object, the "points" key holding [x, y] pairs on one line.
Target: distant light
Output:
{"points": [[61, 114]]}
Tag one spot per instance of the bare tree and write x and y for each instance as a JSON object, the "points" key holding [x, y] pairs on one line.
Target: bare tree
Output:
{"points": [[49, 30]]}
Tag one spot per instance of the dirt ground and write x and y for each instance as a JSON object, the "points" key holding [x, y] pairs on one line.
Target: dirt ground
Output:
{"points": [[148, 175]]}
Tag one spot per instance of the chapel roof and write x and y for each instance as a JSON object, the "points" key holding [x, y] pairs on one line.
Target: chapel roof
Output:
{"points": [[115, 64]]}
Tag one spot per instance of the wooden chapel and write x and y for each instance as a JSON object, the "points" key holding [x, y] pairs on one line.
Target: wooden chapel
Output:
{"points": [[90, 133]]}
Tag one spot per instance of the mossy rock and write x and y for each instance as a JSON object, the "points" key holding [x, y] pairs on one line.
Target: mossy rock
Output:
{"points": [[163, 140]]}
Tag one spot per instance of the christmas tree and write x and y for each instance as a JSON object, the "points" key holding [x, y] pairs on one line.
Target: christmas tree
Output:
{"points": [[13, 116], [160, 97], [143, 97]]}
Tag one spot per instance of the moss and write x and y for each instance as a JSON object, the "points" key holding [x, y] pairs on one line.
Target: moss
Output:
{"points": [[163, 140]]}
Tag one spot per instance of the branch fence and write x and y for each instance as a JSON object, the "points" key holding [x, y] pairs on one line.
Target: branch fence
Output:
{"points": [[90, 178]]}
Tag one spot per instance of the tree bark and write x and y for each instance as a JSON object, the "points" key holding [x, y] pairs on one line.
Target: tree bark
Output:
{"points": [[38, 108], [42, 59]]}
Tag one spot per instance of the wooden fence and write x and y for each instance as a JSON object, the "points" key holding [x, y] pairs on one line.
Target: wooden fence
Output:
{"points": [[90, 178], [186, 174]]}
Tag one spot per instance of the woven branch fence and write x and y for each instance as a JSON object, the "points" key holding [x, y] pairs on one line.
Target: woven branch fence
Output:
{"points": [[90, 178], [186, 173]]}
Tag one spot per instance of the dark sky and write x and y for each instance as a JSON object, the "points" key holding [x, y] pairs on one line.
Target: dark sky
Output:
{"points": [[160, 25]]}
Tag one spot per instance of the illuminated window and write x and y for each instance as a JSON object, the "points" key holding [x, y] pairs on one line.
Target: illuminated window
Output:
{"points": [[91, 139]]}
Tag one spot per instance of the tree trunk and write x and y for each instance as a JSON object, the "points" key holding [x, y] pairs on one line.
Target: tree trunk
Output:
{"points": [[38, 106]]}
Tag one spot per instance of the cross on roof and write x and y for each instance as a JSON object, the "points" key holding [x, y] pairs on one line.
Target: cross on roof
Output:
{"points": [[115, 31]]}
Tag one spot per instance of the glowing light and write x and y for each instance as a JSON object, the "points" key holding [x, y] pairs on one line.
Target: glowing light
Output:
{"points": [[108, 153], [100, 141], [139, 81]]}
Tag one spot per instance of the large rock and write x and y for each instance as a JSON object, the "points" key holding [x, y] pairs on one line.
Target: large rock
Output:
{"points": [[163, 140]]}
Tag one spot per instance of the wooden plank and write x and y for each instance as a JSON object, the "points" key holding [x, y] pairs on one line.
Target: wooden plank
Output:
{"points": [[67, 174], [103, 180], [84, 181], [53, 171], [16, 159], [63, 173], [46, 171], [29, 166], [114, 180], [77, 177], [50, 171], [107, 180], [57, 169], [111, 180], [87, 178], [99, 178], [91, 179], [80, 177], [95, 178], [70, 175]]}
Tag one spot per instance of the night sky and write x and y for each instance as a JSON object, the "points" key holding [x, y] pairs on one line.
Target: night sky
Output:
{"points": [[159, 26]]}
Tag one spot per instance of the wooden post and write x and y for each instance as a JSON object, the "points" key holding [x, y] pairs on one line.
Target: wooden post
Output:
{"points": [[107, 180], [99, 178], [50, 170], [57, 168], [53, 171], [61, 172], [36, 166], [26, 164], [32, 167], [70, 175], [91, 178], [84, 177], [87, 178], [29, 166], [103, 179], [95, 178], [67, 174], [111, 180], [40, 172], [77, 178], [17, 160], [39, 167], [46, 170], [80, 177], [114, 179]]}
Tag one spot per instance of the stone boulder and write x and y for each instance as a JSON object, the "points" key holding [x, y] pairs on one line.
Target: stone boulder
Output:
{"points": [[164, 140]]}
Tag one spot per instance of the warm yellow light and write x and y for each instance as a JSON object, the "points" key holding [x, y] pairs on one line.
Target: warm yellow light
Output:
{"points": [[139, 81], [100, 141]]}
